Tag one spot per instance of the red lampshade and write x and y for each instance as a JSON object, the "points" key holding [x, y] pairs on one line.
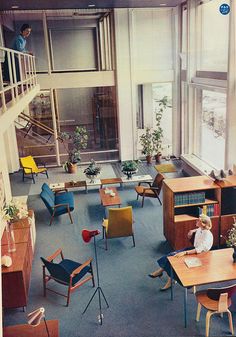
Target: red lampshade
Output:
{"points": [[87, 235]]}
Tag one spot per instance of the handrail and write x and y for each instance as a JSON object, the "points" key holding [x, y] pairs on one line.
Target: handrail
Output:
{"points": [[33, 135], [36, 122], [21, 75]]}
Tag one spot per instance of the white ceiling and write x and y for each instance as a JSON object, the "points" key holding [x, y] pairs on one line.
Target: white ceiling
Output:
{"points": [[76, 4]]}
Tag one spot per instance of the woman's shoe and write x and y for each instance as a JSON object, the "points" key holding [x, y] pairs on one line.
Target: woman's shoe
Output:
{"points": [[155, 275], [166, 286]]}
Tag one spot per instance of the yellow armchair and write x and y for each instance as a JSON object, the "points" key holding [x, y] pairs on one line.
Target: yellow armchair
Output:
{"points": [[30, 168], [118, 224]]}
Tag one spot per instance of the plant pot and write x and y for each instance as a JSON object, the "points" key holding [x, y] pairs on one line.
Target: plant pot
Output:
{"points": [[129, 174], [149, 159], [72, 168], [91, 177], [158, 158]]}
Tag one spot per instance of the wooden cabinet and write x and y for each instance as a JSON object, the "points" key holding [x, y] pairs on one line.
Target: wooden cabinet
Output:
{"points": [[180, 216], [228, 205], [16, 278]]}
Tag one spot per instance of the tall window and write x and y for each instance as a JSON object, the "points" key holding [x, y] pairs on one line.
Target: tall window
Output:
{"points": [[211, 130], [213, 36]]}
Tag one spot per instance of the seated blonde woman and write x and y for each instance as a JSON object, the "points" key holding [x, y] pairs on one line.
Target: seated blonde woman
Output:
{"points": [[203, 242]]}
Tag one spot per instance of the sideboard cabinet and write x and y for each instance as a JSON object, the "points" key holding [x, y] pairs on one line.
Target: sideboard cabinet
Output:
{"points": [[16, 278]]}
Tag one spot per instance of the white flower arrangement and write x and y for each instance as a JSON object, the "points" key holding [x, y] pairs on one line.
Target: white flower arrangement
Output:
{"points": [[14, 210], [231, 238]]}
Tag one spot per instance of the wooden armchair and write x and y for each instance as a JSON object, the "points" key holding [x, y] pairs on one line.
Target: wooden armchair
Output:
{"points": [[30, 168], [70, 273], [152, 191], [216, 301]]}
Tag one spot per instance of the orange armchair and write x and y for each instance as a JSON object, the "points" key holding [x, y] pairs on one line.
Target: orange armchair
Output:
{"points": [[152, 191]]}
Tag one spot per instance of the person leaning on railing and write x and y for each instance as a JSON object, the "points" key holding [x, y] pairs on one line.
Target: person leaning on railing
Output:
{"points": [[19, 44], [203, 242]]}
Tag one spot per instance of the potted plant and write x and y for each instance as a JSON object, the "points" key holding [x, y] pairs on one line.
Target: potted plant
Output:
{"points": [[73, 143], [157, 134], [92, 171], [147, 144], [129, 167]]}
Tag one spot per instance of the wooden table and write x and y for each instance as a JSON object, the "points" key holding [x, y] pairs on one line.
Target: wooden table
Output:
{"points": [[107, 199], [217, 266], [25, 330]]}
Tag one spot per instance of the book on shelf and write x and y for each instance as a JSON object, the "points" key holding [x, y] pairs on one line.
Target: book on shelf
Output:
{"points": [[216, 209], [189, 198], [209, 210], [192, 262]]}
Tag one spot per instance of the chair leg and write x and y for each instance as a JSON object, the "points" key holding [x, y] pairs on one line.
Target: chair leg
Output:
{"points": [[33, 178], [103, 232], [137, 196], [133, 239], [143, 201], [159, 199], [68, 297], [208, 321], [199, 307], [52, 217], [23, 176], [70, 217], [47, 174], [230, 322]]}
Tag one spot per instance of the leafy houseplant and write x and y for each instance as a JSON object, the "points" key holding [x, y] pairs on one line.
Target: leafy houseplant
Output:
{"points": [[129, 167], [147, 144], [157, 134], [92, 170], [73, 143]]}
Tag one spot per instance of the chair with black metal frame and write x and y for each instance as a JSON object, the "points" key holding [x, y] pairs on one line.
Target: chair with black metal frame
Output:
{"points": [[66, 272], [29, 167], [215, 301], [152, 191]]}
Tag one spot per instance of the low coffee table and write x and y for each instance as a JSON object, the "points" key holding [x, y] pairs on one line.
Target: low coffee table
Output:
{"points": [[107, 199]]}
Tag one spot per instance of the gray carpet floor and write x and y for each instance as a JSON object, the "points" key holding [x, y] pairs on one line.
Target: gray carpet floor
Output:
{"points": [[137, 307]]}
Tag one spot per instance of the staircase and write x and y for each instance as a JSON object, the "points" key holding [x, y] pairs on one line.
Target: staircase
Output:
{"points": [[34, 138]]}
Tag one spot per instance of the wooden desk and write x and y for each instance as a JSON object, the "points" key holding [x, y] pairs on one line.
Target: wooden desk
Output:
{"points": [[25, 330], [107, 199], [217, 266]]}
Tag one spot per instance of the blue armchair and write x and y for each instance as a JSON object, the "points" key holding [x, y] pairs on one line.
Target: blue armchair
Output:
{"points": [[67, 272], [57, 203]]}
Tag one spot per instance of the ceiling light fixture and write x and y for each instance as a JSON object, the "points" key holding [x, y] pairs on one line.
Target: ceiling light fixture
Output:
{"points": [[14, 7], [162, 4], [91, 5]]}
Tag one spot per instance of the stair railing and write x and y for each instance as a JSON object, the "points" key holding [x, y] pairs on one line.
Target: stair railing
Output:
{"points": [[21, 75]]}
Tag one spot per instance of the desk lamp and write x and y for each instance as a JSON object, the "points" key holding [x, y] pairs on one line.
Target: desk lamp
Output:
{"points": [[34, 318]]}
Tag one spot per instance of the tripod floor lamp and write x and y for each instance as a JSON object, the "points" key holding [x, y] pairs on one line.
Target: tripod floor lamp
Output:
{"points": [[87, 235]]}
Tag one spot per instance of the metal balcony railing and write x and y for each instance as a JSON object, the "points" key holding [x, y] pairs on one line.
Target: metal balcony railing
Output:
{"points": [[21, 76]]}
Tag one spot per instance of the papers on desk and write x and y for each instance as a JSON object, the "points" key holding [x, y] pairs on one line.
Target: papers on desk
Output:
{"points": [[192, 262], [57, 185]]}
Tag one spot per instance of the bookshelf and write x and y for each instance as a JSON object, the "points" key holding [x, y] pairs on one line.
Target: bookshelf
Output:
{"points": [[182, 200], [228, 205]]}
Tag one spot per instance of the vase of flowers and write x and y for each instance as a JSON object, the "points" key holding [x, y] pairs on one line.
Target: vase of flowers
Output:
{"points": [[11, 212], [231, 239], [92, 171]]}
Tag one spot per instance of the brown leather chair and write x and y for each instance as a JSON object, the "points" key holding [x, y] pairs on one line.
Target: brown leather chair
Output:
{"points": [[152, 191], [216, 301], [119, 223], [67, 272]]}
